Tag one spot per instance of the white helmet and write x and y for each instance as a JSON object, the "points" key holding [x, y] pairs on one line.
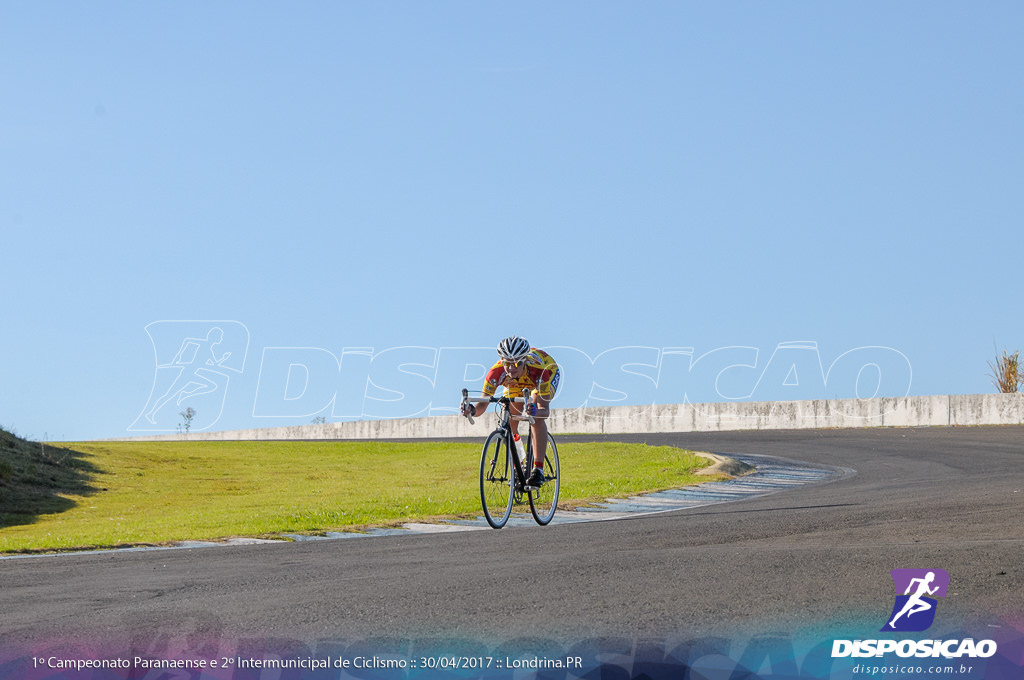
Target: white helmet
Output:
{"points": [[513, 348]]}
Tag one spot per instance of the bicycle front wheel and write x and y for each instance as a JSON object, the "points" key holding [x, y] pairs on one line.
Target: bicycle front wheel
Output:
{"points": [[497, 480], [543, 500]]}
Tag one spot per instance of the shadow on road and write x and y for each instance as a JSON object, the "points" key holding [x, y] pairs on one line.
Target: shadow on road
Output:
{"points": [[763, 511]]}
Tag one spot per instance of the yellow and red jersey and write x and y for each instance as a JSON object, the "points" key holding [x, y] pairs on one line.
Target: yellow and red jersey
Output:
{"points": [[541, 375]]}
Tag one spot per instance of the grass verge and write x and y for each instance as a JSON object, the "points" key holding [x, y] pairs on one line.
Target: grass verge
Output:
{"points": [[109, 494], [39, 479]]}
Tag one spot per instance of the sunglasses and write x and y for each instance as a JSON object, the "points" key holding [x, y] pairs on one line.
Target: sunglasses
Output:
{"points": [[514, 364]]}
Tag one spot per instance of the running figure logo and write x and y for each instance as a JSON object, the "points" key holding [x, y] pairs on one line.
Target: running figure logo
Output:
{"points": [[914, 610], [194, 363]]}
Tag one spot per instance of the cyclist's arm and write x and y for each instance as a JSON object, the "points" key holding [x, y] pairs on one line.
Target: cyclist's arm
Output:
{"points": [[479, 408], [491, 381]]}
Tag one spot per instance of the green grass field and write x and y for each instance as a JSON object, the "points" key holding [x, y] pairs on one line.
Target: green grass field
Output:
{"points": [[107, 494]]}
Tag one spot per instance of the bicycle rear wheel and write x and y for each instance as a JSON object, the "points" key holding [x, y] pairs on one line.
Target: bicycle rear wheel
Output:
{"points": [[497, 479], [544, 500]]}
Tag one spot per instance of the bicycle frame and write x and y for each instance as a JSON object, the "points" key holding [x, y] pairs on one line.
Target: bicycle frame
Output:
{"points": [[505, 420]]}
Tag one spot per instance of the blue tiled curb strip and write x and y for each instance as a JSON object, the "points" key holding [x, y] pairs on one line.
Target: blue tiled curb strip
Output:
{"points": [[771, 476]]}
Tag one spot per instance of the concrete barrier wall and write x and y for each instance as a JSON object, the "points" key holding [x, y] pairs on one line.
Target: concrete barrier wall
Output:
{"points": [[927, 411]]}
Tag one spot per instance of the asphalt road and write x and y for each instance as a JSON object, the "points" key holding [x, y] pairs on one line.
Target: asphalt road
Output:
{"points": [[812, 558]]}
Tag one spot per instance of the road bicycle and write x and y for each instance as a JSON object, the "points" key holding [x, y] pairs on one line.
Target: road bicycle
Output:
{"points": [[504, 473]]}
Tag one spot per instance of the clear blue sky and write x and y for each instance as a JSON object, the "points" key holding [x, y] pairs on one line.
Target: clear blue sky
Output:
{"points": [[591, 175]]}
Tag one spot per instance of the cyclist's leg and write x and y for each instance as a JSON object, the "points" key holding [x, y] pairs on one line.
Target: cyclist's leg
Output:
{"points": [[539, 431], [540, 426], [516, 410]]}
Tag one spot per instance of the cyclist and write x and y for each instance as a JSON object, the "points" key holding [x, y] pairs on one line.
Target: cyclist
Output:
{"points": [[522, 367]]}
